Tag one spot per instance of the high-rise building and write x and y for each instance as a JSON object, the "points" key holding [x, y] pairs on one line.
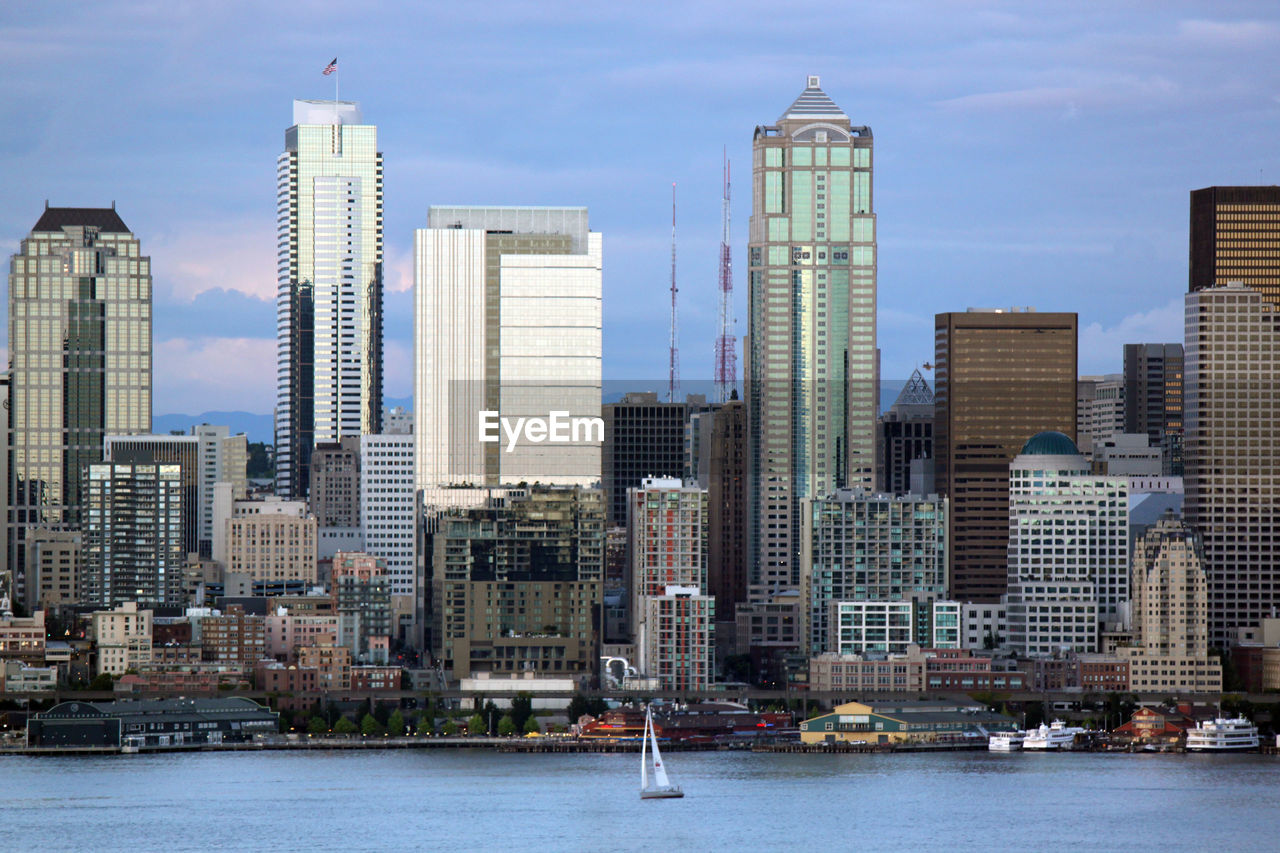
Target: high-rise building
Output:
{"points": [[335, 483], [726, 486], [329, 273], [516, 580], [906, 437], [643, 438], [811, 360], [1235, 236], [208, 456], [272, 540], [53, 568], [1001, 376], [362, 596], [387, 506], [1170, 615], [79, 364], [133, 535], [1068, 548], [507, 346], [861, 546], [1153, 398], [1099, 410], [1232, 478]]}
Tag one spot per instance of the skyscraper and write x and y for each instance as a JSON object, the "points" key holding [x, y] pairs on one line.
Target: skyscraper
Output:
{"points": [[507, 318], [1235, 236], [79, 362], [1232, 477], [329, 273], [133, 534], [812, 350], [1001, 377], [1153, 398]]}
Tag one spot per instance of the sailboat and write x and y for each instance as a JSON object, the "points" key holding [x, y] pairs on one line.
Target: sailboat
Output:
{"points": [[661, 789]]}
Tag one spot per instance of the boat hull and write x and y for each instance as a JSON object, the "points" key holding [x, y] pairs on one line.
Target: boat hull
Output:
{"points": [[665, 794], [1235, 747]]}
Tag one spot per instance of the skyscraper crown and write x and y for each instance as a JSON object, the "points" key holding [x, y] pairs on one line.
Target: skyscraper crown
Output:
{"points": [[813, 103]]}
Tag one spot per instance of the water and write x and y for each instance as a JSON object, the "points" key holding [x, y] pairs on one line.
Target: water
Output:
{"points": [[483, 800]]}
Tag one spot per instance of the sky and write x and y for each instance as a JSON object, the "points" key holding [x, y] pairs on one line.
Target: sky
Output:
{"points": [[1036, 154]]}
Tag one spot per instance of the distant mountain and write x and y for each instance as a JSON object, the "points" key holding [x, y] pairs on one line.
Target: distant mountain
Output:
{"points": [[256, 427], [261, 428]]}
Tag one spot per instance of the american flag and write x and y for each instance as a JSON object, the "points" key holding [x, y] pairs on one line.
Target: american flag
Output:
{"points": [[331, 67]]}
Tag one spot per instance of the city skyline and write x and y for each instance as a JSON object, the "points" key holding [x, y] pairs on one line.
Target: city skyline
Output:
{"points": [[987, 120]]}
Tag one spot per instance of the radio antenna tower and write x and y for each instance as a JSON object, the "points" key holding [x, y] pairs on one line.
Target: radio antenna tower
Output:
{"points": [[726, 343], [673, 366]]}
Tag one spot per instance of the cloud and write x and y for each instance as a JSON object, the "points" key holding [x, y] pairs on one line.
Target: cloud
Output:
{"points": [[237, 255], [1101, 94], [1228, 34], [1101, 348], [207, 373]]}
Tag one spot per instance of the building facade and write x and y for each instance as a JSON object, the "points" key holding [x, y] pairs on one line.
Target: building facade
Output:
{"points": [[1000, 377], [79, 365], [507, 325], [123, 638], [335, 483], [133, 535], [642, 438], [387, 506], [811, 357], [362, 597], [1068, 548], [906, 437], [1153, 399], [1232, 479], [272, 541], [516, 581], [329, 277], [871, 547], [1235, 237]]}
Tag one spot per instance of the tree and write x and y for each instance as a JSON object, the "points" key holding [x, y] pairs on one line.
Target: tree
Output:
{"points": [[370, 727], [425, 724], [521, 709], [345, 726], [317, 726], [102, 681], [395, 723], [737, 668], [506, 726], [476, 725], [450, 728], [531, 726], [580, 705]]}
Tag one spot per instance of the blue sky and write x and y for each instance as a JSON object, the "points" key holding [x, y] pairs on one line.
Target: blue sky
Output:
{"points": [[1026, 154]]}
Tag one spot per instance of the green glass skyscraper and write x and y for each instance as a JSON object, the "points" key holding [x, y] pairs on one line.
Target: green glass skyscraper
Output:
{"points": [[811, 361], [79, 363]]}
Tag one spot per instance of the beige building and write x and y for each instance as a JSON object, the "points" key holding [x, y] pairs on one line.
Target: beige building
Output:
{"points": [[53, 567], [123, 637], [1170, 613], [23, 638], [288, 632], [272, 541], [332, 665]]}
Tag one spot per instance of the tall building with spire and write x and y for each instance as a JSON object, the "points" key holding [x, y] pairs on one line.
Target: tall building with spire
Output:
{"points": [[79, 363], [329, 274], [811, 361]]}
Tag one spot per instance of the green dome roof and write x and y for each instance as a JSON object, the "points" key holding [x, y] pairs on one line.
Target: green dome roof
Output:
{"points": [[1050, 443]]}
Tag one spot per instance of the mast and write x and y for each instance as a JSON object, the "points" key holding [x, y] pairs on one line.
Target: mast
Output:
{"points": [[673, 363], [726, 355]]}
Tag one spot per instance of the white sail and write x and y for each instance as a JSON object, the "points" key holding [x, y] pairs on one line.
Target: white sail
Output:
{"points": [[644, 762], [659, 772]]}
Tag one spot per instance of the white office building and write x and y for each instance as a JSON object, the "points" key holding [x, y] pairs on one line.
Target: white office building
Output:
{"points": [[507, 320], [386, 505], [329, 274], [1068, 548]]}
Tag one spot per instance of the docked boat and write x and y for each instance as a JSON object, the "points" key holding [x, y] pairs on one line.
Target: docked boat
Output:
{"points": [[1222, 735], [1006, 741], [661, 787], [1057, 736]]}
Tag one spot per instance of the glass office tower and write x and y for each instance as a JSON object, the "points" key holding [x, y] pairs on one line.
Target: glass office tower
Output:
{"points": [[79, 361], [812, 350], [329, 270]]}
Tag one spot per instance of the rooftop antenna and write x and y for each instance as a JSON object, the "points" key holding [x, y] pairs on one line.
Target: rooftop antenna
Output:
{"points": [[726, 343], [673, 365]]}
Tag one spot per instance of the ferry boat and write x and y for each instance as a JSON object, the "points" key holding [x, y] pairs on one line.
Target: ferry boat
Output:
{"points": [[1057, 736], [1222, 735], [1006, 741]]}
